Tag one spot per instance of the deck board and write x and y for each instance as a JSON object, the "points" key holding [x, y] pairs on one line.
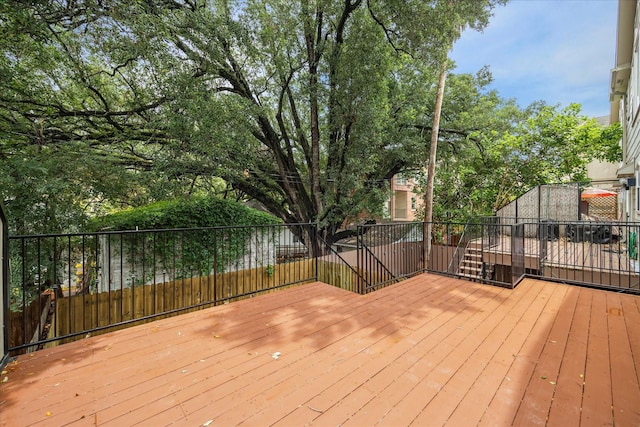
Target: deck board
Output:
{"points": [[429, 350], [609, 257], [597, 401], [567, 399], [625, 395]]}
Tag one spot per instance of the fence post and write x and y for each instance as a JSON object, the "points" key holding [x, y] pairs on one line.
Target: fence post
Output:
{"points": [[215, 266], [359, 254], [314, 248], [517, 254], [4, 293]]}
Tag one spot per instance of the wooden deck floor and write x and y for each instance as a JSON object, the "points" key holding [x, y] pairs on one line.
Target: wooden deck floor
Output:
{"points": [[428, 351], [577, 255]]}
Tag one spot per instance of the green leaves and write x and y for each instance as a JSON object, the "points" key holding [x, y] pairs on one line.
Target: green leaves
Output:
{"points": [[516, 151], [193, 212], [307, 107]]}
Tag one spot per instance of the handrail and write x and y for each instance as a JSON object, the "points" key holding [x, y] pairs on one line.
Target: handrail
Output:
{"points": [[336, 253], [455, 253], [185, 269], [379, 263]]}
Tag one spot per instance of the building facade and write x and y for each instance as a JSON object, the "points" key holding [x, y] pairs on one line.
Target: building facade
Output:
{"points": [[404, 201], [625, 106]]}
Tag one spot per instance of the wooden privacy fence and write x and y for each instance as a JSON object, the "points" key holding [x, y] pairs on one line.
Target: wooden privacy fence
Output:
{"points": [[27, 326], [121, 307], [110, 280], [340, 275]]}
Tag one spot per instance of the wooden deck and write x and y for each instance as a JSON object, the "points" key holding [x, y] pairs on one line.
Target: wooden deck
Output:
{"points": [[430, 350], [578, 255]]}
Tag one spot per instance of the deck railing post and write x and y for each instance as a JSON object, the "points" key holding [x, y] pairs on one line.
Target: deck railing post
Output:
{"points": [[4, 292], [316, 246], [359, 254], [215, 267]]}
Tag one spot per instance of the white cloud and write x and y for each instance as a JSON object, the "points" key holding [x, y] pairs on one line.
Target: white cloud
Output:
{"points": [[557, 51]]}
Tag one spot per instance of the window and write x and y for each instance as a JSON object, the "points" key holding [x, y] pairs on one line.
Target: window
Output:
{"points": [[401, 180]]}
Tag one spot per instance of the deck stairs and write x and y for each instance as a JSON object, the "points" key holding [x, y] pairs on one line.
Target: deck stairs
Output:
{"points": [[471, 262]]}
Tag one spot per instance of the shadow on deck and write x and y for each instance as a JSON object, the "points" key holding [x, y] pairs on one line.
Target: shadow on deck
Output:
{"points": [[429, 350]]}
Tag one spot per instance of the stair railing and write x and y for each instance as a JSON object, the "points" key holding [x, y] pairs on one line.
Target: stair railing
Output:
{"points": [[456, 252], [369, 264], [362, 282]]}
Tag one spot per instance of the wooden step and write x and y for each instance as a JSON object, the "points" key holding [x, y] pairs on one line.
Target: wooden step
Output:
{"points": [[471, 264]]}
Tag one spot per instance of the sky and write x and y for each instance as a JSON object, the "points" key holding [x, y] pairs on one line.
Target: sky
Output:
{"points": [[558, 51]]}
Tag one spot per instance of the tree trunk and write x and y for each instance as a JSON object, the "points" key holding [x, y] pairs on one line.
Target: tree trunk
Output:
{"points": [[428, 195]]}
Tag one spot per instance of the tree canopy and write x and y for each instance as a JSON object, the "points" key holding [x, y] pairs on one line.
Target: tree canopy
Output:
{"points": [[307, 107], [515, 150]]}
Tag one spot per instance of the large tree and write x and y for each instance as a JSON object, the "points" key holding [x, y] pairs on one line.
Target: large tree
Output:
{"points": [[509, 151], [309, 107]]}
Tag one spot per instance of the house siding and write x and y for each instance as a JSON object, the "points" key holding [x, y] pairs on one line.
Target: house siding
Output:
{"points": [[625, 104]]}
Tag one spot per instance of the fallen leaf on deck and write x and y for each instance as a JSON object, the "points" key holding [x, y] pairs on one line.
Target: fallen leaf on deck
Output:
{"points": [[5, 372], [48, 414], [5, 379], [206, 423], [216, 336], [552, 382], [276, 355], [544, 377]]}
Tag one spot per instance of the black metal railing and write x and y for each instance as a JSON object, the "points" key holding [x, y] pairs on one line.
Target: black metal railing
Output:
{"points": [[461, 243], [61, 287], [595, 253], [599, 254], [338, 267], [4, 291], [518, 253], [65, 286], [388, 253], [483, 253]]}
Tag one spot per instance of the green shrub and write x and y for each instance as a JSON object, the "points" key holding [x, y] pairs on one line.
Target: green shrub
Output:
{"points": [[194, 212], [184, 252]]}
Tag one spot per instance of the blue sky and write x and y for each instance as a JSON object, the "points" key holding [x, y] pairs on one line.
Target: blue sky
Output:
{"points": [[558, 51]]}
